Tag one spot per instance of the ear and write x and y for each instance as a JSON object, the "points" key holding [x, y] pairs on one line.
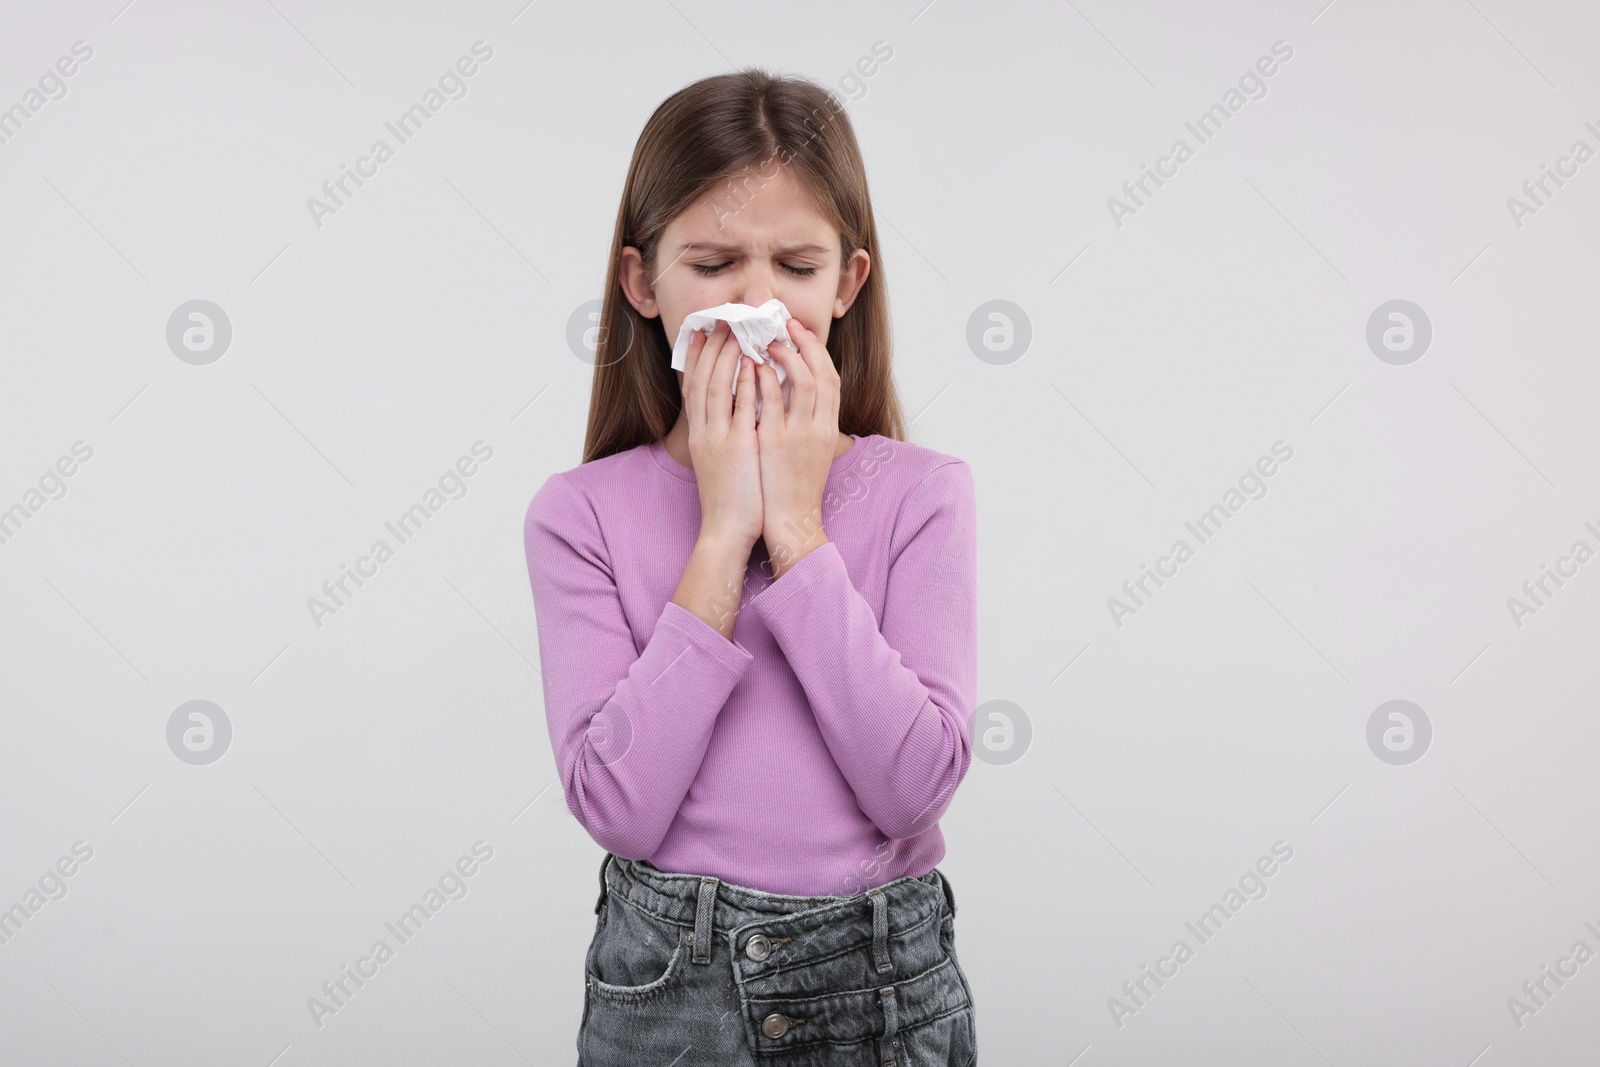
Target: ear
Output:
{"points": [[851, 279], [635, 282]]}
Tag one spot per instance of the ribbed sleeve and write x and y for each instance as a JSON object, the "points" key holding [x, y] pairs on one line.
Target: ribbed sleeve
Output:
{"points": [[629, 728], [894, 699]]}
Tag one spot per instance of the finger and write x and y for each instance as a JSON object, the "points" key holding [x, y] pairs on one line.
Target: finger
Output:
{"points": [[771, 397], [722, 385], [786, 357], [697, 346], [802, 383], [744, 399], [693, 393], [811, 351], [824, 374], [706, 410]]}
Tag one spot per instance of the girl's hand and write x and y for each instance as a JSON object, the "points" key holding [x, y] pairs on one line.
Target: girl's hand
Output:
{"points": [[796, 447], [722, 438]]}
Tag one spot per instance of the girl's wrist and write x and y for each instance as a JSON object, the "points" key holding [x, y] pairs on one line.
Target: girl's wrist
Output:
{"points": [[721, 545]]}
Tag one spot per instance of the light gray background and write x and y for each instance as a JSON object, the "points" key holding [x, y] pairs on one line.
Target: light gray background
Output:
{"points": [[1167, 754]]}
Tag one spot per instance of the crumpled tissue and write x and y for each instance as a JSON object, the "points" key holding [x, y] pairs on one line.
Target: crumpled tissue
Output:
{"points": [[753, 327]]}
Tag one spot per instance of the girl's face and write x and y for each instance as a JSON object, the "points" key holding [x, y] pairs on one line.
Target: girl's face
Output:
{"points": [[746, 243]]}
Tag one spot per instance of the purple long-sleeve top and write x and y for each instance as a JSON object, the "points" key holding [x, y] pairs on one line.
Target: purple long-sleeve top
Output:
{"points": [[816, 751]]}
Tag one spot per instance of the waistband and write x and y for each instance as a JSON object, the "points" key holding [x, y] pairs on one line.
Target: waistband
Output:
{"points": [[712, 905]]}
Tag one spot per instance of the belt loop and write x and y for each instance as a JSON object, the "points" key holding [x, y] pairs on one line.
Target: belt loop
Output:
{"points": [[703, 918], [880, 930], [602, 901], [891, 1026], [949, 893]]}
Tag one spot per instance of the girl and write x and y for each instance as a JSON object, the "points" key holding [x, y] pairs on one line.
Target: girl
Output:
{"points": [[767, 783]]}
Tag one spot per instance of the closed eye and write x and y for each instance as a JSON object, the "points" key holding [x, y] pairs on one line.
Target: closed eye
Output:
{"points": [[714, 268]]}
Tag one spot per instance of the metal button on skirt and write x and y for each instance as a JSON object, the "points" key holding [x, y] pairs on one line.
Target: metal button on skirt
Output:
{"points": [[693, 971]]}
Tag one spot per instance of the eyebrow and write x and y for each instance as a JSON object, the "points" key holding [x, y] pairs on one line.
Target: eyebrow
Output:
{"points": [[704, 246]]}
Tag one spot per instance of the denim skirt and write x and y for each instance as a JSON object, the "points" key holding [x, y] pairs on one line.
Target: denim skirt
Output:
{"points": [[689, 970]]}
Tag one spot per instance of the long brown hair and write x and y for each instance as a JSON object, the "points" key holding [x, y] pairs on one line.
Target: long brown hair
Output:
{"points": [[711, 133]]}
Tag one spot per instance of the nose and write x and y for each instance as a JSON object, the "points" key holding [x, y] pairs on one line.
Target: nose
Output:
{"points": [[756, 293], [756, 284]]}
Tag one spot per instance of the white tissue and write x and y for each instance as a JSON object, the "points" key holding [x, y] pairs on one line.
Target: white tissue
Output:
{"points": [[753, 327]]}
